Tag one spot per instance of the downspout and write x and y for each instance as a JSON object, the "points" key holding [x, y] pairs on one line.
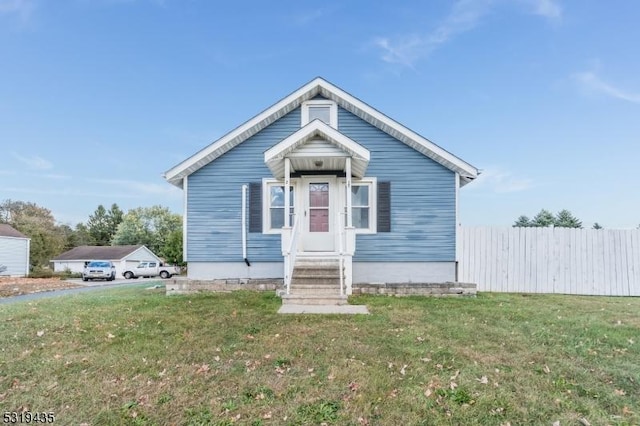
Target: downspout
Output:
{"points": [[244, 225]]}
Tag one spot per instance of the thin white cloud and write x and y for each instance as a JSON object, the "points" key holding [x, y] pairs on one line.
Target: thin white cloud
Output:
{"points": [[590, 82], [142, 188], [68, 192], [35, 162], [21, 8], [464, 16], [549, 9], [51, 176], [309, 16], [500, 181]]}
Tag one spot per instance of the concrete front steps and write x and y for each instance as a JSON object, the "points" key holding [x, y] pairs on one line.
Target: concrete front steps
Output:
{"points": [[315, 281]]}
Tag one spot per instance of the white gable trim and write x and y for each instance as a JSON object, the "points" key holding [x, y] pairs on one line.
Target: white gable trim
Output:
{"points": [[320, 86], [275, 155]]}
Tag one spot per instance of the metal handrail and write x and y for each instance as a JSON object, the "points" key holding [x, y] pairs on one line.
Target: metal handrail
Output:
{"points": [[290, 255]]}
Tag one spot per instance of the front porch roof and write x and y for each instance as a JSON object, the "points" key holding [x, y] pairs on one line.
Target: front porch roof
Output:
{"points": [[317, 147]]}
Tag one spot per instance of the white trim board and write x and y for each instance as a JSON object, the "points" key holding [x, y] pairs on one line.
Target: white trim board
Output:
{"points": [[319, 86]]}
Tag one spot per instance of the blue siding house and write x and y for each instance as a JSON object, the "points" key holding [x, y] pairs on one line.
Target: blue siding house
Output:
{"points": [[322, 177]]}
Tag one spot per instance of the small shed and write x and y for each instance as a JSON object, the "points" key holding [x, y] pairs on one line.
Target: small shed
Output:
{"points": [[14, 252], [124, 257]]}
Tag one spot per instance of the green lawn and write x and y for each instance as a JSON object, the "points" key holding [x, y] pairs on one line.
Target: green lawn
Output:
{"points": [[135, 356]]}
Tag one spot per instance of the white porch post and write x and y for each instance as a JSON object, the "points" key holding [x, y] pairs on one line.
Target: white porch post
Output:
{"points": [[287, 192], [348, 189]]}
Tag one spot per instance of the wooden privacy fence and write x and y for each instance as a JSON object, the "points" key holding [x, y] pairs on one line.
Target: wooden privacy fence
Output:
{"points": [[551, 260]]}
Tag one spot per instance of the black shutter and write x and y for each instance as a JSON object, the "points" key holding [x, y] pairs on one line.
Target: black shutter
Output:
{"points": [[384, 206], [255, 207]]}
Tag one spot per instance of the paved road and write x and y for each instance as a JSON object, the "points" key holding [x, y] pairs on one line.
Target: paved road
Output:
{"points": [[87, 286]]}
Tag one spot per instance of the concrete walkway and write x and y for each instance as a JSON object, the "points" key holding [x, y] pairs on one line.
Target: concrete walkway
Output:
{"points": [[323, 309]]}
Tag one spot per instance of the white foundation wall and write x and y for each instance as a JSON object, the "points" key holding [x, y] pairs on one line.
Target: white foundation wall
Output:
{"points": [[403, 272], [234, 270]]}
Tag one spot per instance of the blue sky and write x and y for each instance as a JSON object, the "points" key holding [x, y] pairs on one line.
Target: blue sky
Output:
{"points": [[99, 97]]}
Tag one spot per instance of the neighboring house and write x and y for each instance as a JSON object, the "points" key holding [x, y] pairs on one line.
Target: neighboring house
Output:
{"points": [[124, 257], [14, 252], [364, 189]]}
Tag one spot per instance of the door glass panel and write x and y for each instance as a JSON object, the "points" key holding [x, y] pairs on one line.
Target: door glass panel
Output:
{"points": [[318, 207]]}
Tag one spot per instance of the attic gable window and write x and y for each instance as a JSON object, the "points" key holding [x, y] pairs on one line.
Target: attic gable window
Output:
{"points": [[323, 110]]}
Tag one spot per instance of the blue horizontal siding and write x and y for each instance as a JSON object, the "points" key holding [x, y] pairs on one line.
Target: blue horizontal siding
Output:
{"points": [[422, 199], [214, 223]]}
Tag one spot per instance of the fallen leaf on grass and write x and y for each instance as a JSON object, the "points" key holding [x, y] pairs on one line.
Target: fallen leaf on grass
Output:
{"points": [[453, 385], [204, 368], [40, 333], [353, 386], [626, 410], [455, 376], [110, 336], [363, 421], [556, 423], [584, 422], [546, 369], [403, 370], [267, 416], [619, 392], [484, 380]]}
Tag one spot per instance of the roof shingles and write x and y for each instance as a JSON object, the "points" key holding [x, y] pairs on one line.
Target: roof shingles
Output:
{"points": [[9, 231], [97, 252]]}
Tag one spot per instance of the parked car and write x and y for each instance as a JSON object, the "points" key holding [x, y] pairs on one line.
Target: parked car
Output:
{"points": [[151, 269], [99, 270]]}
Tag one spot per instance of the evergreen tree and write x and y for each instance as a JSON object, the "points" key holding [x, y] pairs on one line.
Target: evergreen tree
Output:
{"points": [[597, 226], [522, 222], [543, 219], [98, 226], [115, 216], [564, 219]]}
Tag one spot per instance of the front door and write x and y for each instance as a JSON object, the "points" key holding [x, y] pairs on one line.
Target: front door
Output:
{"points": [[319, 214]]}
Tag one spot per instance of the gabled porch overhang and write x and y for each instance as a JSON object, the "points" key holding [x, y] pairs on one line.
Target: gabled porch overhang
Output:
{"points": [[317, 147]]}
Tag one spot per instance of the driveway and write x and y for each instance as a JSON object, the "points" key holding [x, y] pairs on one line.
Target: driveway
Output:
{"points": [[85, 286]]}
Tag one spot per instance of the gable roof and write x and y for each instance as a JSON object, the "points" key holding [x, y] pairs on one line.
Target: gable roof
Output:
{"points": [[316, 129], [10, 231], [319, 86], [98, 252]]}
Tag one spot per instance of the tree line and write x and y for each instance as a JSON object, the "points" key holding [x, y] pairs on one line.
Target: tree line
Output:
{"points": [[544, 218], [155, 227]]}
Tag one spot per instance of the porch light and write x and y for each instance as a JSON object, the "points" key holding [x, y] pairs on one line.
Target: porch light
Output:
{"points": [[318, 163]]}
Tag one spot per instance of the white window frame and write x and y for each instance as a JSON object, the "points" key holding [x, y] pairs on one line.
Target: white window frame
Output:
{"points": [[267, 183], [333, 111], [372, 183]]}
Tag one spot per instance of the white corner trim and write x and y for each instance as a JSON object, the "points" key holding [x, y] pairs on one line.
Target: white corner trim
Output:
{"points": [[185, 240]]}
